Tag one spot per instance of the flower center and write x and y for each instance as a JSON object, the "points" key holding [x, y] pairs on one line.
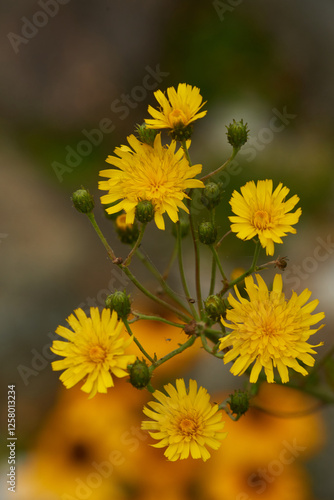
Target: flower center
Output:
{"points": [[261, 219], [188, 427], [268, 328], [97, 354], [177, 117]]}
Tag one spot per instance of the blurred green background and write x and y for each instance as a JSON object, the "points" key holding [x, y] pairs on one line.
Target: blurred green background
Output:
{"points": [[74, 82]]}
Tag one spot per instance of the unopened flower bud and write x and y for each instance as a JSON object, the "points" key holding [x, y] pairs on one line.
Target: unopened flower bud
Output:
{"points": [[237, 134], [83, 201], [207, 233], [212, 195], [146, 135], [139, 374], [145, 211], [128, 233], [214, 307], [239, 402], [119, 302]]}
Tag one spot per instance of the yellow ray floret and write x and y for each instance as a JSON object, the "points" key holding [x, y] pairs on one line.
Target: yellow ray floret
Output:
{"points": [[269, 330], [94, 350], [160, 174], [180, 107], [261, 212], [184, 421]]}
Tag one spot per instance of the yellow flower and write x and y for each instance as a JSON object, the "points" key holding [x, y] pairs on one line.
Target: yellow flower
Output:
{"points": [[158, 174], [94, 351], [184, 421], [262, 212], [179, 110], [270, 330]]}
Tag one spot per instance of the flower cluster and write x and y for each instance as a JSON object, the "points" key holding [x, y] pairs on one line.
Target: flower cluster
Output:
{"points": [[248, 323]]}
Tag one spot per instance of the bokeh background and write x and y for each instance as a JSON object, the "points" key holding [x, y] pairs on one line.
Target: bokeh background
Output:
{"points": [[76, 77]]}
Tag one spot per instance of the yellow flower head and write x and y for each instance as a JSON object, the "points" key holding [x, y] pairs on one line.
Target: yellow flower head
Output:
{"points": [[184, 421], [262, 212], [270, 330], [179, 110], [158, 174], [94, 350]]}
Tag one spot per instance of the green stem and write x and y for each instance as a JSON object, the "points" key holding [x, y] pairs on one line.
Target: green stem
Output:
{"points": [[213, 276], [139, 316], [213, 335], [160, 279], [222, 238], [215, 255], [171, 262], [170, 355], [136, 341], [106, 245], [197, 260], [129, 274], [195, 240], [211, 174], [210, 350], [136, 245], [150, 295], [182, 274], [186, 152], [247, 273]]}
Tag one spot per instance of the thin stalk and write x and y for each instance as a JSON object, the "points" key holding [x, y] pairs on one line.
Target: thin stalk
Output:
{"points": [[224, 165], [136, 245], [213, 276], [129, 274], [150, 295], [98, 231], [136, 341], [170, 355], [212, 334], [215, 255], [210, 350], [182, 273], [247, 273], [222, 238], [186, 152], [139, 316], [171, 262], [197, 263], [160, 279], [195, 240]]}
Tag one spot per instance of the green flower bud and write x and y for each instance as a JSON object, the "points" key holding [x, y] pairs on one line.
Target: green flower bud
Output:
{"points": [[214, 307], [237, 134], [139, 374], [83, 201], [239, 402], [212, 195], [128, 233], [184, 227], [181, 132], [207, 233], [119, 302], [145, 211], [146, 135]]}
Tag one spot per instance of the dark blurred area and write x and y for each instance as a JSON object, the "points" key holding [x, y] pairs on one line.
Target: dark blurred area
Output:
{"points": [[76, 78]]}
